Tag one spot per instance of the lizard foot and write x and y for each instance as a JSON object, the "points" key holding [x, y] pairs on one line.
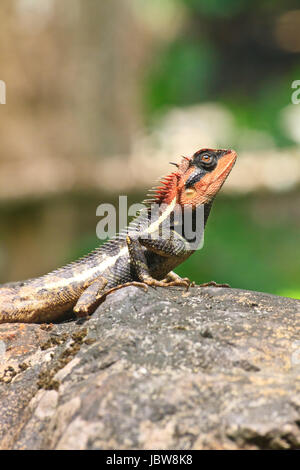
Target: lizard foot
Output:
{"points": [[180, 282], [213, 284]]}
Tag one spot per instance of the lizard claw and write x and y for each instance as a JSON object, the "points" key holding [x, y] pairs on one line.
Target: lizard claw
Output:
{"points": [[173, 279]]}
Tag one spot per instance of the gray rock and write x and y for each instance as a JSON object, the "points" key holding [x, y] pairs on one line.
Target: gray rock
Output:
{"points": [[211, 368]]}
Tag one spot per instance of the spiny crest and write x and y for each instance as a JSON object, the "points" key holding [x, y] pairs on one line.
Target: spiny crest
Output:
{"points": [[166, 189]]}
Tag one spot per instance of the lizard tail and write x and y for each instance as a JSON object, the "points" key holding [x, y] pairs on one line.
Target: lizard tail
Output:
{"points": [[22, 309]]}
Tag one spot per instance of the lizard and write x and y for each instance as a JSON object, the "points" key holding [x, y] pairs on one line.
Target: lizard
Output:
{"points": [[139, 256]]}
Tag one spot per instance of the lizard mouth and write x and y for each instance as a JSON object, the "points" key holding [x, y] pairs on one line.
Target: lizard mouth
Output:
{"points": [[225, 165]]}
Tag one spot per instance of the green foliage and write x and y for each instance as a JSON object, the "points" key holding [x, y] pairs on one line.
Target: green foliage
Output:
{"points": [[261, 111], [227, 53], [247, 250], [182, 74], [216, 8], [294, 294]]}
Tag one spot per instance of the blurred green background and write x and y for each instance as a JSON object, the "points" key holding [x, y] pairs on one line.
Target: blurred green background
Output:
{"points": [[102, 95]]}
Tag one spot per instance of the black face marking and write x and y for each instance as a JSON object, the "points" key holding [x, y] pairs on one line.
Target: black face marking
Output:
{"points": [[204, 161], [207, 159], [195, 177]]}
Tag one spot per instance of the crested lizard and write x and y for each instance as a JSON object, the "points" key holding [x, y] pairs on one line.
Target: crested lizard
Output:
{"points": [[140, 256]]}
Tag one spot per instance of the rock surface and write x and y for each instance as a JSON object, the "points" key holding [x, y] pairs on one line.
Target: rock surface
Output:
{"points": [[213, 368]]}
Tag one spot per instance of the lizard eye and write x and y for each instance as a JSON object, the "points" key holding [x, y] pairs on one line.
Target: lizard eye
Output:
{"points": [[206, 158], [207, 161]]}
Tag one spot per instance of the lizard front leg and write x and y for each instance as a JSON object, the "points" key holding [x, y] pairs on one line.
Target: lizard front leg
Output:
{"points": [[175, 246]]}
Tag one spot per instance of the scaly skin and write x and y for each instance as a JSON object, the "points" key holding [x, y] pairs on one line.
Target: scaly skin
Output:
{"points": [[139, 257]]}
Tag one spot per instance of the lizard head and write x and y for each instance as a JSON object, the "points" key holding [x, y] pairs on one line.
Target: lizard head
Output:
{"points": [[203, 175], [198, 178]]}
